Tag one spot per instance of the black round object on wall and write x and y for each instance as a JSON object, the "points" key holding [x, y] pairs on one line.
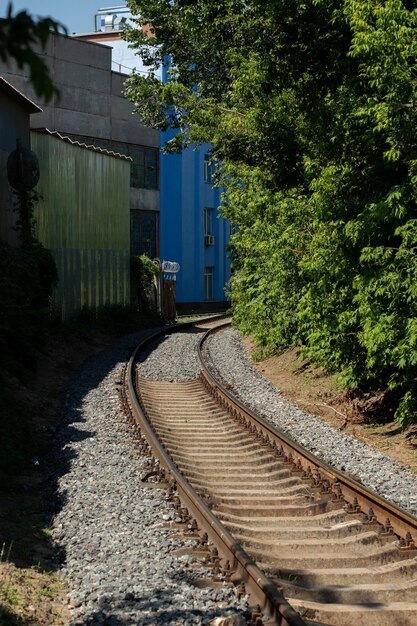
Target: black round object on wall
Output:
{"points": [[22, 168]]}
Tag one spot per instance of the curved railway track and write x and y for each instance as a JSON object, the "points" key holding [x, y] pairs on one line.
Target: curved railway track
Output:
{"points": [[308, 543]]}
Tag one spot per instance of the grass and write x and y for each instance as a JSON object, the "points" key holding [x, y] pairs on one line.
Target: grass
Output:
{"points": [[322, 394], [30, 596], [8, 617], [31, 592]]}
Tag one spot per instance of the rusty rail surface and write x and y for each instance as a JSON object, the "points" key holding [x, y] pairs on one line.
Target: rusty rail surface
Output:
{"points": [[335, 494], [261, 590], [360, 498]]}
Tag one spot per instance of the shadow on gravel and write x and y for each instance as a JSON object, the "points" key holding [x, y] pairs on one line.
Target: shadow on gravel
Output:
{"points": [[31, 500], [70, 421], [158, 607], [32, 497]]}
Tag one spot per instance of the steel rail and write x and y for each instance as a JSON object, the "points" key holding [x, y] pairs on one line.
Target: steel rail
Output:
{"points": [[261, 590], [360, 498]]}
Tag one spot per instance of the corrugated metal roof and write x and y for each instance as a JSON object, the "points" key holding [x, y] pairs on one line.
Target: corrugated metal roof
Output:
{"points": [[55, 133], [97, 34], [26, 102]]}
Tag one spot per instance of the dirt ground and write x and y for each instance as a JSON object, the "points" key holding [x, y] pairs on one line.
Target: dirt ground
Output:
{"points": [[320, 394]]}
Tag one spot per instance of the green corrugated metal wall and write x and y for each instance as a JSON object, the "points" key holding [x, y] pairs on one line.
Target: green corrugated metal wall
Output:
{"points": [[83, 219]]}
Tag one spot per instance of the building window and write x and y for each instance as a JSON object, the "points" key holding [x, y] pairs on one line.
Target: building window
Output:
{"points": [[144, 233], [208, 227], [145, 161], [144, 167], [208, 169], [208, 283], [208, 221]]}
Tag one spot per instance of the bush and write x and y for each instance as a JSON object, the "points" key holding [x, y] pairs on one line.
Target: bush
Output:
{"points": [[144, 271], [117, 318], [27, 278]]}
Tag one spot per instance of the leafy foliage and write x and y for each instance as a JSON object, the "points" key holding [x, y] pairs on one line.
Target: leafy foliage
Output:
{"points": [[27, 277], [311, 108], [21, 38], [143, 271]]}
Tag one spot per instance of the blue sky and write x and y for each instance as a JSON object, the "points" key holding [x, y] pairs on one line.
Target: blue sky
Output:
{"points": [[76, 15]]}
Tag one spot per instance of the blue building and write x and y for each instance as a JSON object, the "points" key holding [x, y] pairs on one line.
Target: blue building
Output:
{"points": [[192, 233], [190, 230]]}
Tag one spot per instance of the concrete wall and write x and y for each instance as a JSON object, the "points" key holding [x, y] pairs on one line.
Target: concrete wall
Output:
{"points": [[91, 101], [145, 199], [125, 125]]}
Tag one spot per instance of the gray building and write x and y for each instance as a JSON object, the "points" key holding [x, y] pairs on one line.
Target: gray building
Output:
{"points": [[15, 111], [92, 109]]}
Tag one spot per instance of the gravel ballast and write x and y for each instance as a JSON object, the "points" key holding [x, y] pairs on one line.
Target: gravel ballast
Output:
{"points": [[114, 534], [229, 361], [172, 357]]}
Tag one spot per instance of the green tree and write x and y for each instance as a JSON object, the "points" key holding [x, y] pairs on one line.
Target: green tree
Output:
{"points": [[21, 39], [311, 107]]}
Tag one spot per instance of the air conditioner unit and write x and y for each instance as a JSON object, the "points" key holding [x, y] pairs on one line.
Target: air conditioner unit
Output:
{"points": [[209, 240], [109, 21]]}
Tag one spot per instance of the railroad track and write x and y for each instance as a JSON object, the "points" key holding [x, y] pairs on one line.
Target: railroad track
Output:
{"points": [[308, 543]]}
